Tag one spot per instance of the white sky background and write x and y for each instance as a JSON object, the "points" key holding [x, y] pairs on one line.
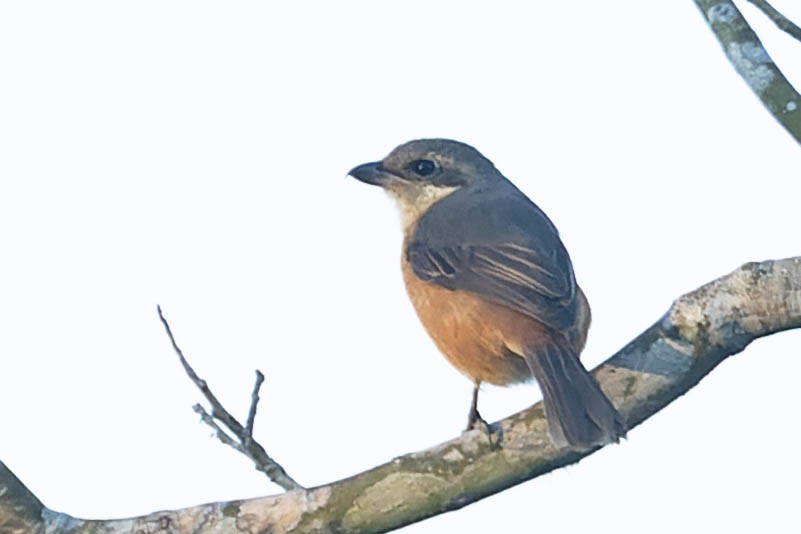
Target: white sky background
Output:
{"points": [[193, 154]]}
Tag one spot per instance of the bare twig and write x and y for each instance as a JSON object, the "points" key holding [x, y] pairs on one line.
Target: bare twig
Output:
{"points": [[221, 434], [782, 22], [254, 402], [753, 64], [246, 444]]}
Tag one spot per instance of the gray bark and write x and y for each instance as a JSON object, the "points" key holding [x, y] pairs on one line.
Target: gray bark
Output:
{"points": [[699, 331]]}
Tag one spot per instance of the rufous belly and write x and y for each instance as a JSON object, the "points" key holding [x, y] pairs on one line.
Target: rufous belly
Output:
{"points": [[481, 339]]}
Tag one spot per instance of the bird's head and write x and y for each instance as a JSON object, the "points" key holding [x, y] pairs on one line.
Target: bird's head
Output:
{"points": [[420, 173]]}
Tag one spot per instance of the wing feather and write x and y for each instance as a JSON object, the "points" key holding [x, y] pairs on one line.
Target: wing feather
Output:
{"points": [[496, 243], [514, 275]]}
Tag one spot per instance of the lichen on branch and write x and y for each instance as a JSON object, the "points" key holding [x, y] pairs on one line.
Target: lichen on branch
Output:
{"points": [[700, 330]]}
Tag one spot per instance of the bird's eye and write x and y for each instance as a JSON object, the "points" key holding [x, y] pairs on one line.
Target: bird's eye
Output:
{"points": [[422, 167]]}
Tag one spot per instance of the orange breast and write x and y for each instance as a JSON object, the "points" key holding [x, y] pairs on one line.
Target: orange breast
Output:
{"points": [[481, 339]]}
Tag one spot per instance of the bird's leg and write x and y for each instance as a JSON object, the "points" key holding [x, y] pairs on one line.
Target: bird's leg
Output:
{"points": [[474, 419]]}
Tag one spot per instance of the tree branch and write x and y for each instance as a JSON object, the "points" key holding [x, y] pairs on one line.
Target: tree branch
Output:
{"points": [[20, 510], [753, 64], [254, 403], [699, 331], [245, 444], [781, 22]]}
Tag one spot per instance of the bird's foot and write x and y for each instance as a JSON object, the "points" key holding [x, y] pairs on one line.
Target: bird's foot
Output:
{"points": [[476, 422]]}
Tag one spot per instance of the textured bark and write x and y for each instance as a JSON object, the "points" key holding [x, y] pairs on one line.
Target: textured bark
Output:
{"points": [[20, 510], [699, 331], [753, 64]]}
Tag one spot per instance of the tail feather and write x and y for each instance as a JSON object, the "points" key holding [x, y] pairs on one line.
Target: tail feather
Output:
{"points": [[578, 412]]}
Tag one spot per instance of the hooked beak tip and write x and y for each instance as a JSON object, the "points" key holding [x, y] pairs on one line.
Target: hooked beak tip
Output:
{"points": [[371, 173]]}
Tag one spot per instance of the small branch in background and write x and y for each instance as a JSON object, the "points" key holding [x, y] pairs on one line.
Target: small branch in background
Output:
{"points": [[753, 64], [242, 439], [782, 22]]}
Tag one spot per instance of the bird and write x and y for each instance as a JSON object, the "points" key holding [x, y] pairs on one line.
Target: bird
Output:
{"points": [[493, 285]]}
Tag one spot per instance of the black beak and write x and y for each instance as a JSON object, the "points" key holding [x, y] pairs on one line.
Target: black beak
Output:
{"points": [[372, 173]]}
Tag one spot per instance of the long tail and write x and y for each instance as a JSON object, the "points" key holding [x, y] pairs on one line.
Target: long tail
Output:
{"points": [[578, 412]]}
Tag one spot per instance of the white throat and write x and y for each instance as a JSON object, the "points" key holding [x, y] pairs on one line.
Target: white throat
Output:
{"points": [[413, 201]]}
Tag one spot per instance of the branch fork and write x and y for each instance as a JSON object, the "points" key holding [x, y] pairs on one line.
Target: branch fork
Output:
{"points": [[226, 427]]}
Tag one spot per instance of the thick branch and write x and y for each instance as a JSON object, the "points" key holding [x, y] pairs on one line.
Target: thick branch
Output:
{"points": [[752, 62], [20, 510], [699, 331]]}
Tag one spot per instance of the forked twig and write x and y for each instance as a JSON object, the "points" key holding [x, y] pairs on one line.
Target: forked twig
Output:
{"points": [[242, 439]]}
